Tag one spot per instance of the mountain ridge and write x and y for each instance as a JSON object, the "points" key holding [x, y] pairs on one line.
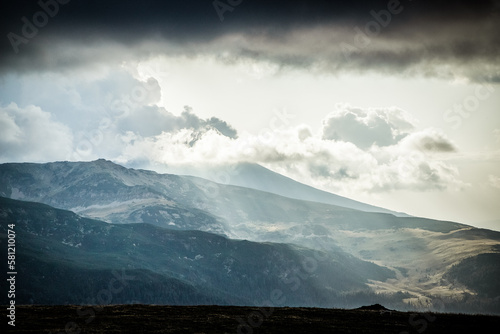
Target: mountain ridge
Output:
{"points": [[427, 256], [255, 176]]}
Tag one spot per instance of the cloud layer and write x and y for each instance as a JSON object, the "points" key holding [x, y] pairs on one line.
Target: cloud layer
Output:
{"points": [[403, 159], [72, 89], [431, 38], [354, 150]]}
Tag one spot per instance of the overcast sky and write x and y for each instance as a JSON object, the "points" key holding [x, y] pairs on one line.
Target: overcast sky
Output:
{"points": [[394, 103]]}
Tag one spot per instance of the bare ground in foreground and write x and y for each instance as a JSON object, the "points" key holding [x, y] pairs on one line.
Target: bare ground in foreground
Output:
{"points": [[230, 319]]}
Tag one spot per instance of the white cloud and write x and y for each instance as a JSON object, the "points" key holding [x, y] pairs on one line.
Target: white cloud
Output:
{"points": [[31, 134], [336, 165], [356, 150], [367, 127], [11, 133], [429, 141]]}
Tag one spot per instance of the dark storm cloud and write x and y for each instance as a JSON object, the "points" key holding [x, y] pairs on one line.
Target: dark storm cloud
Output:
{"points": [[178, 21], [423, 33]]}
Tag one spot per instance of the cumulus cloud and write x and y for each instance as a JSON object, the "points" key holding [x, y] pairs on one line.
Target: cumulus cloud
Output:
{"points": [[354, 150], [340, 165], [430, 140], [117, 115], [97, 110], [31, 134], [149, 121], [347, 168], [364, 128], [403, 162], [132, 105]]}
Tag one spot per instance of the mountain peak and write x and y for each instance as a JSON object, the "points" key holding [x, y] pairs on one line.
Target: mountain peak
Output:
{"points": [[104, 162]]}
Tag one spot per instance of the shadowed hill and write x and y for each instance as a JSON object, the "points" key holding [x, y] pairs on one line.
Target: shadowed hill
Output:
{"points": [[66, 259], [421, 252]]}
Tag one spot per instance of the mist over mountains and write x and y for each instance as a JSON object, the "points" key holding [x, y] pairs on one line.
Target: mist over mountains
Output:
{"points": [[251, 175], [187, 240]]}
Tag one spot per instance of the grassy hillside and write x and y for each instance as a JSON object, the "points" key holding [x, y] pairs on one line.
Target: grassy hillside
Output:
{"points": [[65, 259], [418, 253]]}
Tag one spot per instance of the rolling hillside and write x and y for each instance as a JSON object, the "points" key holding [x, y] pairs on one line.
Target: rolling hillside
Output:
{"points": [[430, 259], [66, 259]]}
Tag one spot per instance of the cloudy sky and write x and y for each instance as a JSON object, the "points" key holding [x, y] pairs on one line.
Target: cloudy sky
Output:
{"points": [[394, 103]]}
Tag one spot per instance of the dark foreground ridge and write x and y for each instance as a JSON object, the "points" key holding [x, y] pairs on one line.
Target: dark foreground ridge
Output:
{"points": [[376, 307], [229, 319]]}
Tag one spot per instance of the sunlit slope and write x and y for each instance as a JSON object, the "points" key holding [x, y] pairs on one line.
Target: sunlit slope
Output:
{"points": [[421, 251]]}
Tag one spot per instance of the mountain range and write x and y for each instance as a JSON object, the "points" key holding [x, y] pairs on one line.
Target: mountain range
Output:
{"points": [[188, 240]]}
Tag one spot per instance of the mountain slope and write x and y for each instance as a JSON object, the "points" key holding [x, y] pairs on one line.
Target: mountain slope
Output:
{"points": [[420, 251], [64, 258], [254, 176], [107, 191], [104, 190]]}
